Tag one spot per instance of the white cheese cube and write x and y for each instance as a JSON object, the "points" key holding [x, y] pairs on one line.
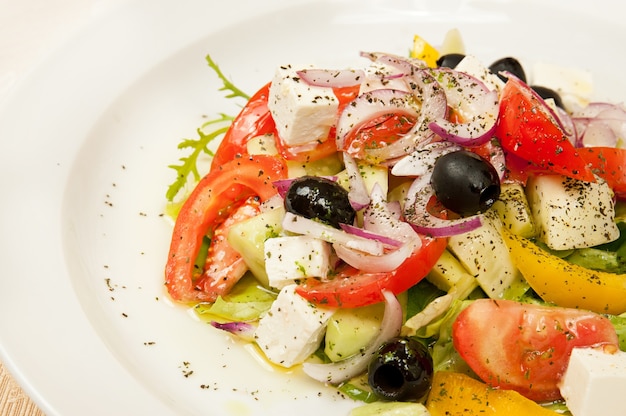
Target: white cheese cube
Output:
{"points": [[572, 214], [595, 382], [474, 67], [292, 329], [303, 113], [290, 258], [573, 84]]}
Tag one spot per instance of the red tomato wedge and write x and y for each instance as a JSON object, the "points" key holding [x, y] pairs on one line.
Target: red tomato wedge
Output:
{"points": [[210, 204], [526, 347], [253, 120], [351, 288], [608, 163], [526, 129]]}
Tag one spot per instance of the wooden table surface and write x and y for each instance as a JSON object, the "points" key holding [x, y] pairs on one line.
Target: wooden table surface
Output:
{"points": [[13, 400]]}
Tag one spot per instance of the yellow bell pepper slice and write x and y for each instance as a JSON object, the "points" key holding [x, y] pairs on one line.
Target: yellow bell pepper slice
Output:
{"points": [[565, 284], [456, 394], [424, 51]]}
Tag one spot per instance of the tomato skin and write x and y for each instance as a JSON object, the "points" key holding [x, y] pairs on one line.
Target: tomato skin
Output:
{"points": [[526, 130], [377, 133], [526, 347], [610, 164], [208, 205], [351, 288], [253, 120]]}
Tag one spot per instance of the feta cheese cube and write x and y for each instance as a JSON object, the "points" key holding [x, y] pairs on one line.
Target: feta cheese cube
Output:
{"points": [[303, 113], [595, 382], [474, 67], [572, 214], [290, 258], [292, 329]]}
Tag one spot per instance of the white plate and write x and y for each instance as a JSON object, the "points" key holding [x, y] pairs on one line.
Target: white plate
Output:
{"points": [[85, 142]]}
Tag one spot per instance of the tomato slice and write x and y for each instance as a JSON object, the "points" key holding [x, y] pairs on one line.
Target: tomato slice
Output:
{"points": [[209, 204], [380, 132], [526, 129], [610, 164], [351, 288], [526, 347], [253, 120]]}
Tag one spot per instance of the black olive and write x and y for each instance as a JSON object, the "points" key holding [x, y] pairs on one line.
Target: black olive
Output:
{"points": [[545, 93], [319, 198], [402, 368], [450, 60], [465, 182], [508, 64]]}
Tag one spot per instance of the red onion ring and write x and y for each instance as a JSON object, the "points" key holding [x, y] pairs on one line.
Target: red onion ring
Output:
{"points": [[301, 225], [383, 218], [332, 78], [421, 160], [416, 213], [375, 264], [476, 103], [367, 107], [427, 91], [600, 124], [360, 232], [357, 194], [335, 373], [243, 330]]}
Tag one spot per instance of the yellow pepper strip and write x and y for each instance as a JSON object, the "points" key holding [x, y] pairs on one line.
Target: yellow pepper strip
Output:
{"points": [[424, 51], [565, 284], [456, 394]]}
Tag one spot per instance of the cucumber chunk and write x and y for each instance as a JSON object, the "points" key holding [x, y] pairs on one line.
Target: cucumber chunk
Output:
{"points": [[484, 255], [248, 239], [514, 210], [350, 331]]}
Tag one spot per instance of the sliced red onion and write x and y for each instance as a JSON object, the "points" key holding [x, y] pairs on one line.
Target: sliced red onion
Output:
{"points": [[498, 159], [381, 218], [369, 106], [375, 264], [282, 186], [421, 160], [598, 132], [591, 110], [335, 373], [381, 76], [476, 103], [360, 232], [416, 213], [427, 91], [332, 78], [357, 195], [301, 225], [601, 124], [243, 330]]}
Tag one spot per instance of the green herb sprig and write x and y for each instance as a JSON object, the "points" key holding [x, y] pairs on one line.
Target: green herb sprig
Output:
{"points": [[207, 133]]}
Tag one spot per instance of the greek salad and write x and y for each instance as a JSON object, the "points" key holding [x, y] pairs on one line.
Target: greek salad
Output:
{"points": [[429, 233]]}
